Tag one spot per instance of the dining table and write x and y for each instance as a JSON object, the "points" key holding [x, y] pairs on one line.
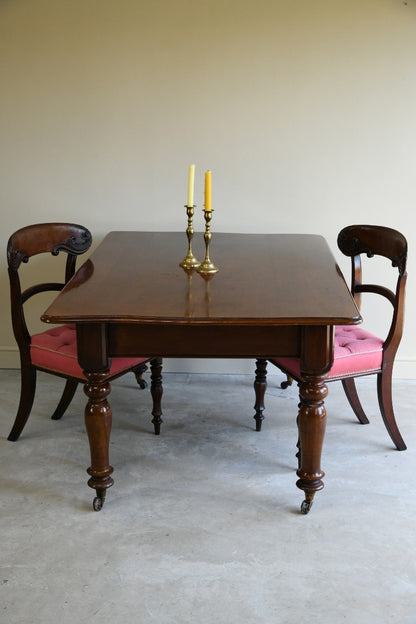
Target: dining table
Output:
{"points": [[274, 295]]}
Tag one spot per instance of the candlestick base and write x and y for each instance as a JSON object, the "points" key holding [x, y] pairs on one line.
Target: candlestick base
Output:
{"points": [[207, 267], [189, 262]]}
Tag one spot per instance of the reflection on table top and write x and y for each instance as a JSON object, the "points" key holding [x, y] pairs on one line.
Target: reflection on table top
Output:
{"points": [[262, 279]]}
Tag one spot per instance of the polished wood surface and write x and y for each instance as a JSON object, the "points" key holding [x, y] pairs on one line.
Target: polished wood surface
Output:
{"points": [[274, 295], [263, 279]]}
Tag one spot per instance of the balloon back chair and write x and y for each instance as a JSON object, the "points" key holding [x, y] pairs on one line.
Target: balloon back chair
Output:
{"points": [[357, 352], [54, 350]]}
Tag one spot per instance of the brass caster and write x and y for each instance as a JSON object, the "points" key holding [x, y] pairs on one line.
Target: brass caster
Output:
{"points": [[142, 384], [306, 507], [98, 501]]}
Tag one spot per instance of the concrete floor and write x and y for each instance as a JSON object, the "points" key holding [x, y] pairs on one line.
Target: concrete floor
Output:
{"points": [[202, 524]]}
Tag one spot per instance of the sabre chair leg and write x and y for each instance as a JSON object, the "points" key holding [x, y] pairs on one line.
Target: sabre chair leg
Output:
{"points": [[66, 398], [27, 395], [138, 372], [386, 408], [350, 390], [288, 382]]}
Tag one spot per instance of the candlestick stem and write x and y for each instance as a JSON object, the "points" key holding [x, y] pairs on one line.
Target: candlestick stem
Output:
{"points": [[190, 262], [207, 267]]}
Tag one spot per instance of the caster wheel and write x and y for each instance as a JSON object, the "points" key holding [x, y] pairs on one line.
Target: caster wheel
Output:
{"points": [[306, 507], [98, 503], [287, 383], [142, 384]]}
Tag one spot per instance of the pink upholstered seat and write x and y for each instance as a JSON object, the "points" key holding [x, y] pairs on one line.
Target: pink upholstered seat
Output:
{"points": [[355, 351], [56, 350]]}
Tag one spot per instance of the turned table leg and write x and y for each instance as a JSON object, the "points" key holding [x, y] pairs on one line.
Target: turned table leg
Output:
{"points": [[156, 390], [260, 385], [316, 357], [311, 424], [98, 419]]}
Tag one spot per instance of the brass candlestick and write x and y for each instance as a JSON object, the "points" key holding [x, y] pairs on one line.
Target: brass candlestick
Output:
{"points": [[207, 267], [189, 262]]}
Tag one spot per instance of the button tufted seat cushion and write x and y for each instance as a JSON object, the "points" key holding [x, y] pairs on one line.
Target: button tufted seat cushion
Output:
{"points": [[355, 351], [56, 350]]}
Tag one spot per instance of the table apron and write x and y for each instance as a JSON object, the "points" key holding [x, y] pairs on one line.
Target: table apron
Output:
{"points": [[210, 341]]}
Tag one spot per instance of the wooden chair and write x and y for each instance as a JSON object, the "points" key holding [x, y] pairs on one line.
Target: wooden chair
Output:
{"points": [[54, 350], [358, 352]]}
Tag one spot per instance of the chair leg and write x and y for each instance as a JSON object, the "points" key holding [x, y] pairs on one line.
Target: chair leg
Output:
{"points": [[352, 396], [288, 382], [386, 408], [156, 390], [298, 453], [260, 385], [66, 398], [27, 395], [138, 372]]}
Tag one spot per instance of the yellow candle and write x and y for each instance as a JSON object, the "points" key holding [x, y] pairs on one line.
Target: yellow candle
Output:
{"points": [[208, 191], [191, 178]]}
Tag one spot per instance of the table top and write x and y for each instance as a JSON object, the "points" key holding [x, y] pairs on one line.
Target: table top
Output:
{"points": [[263, 279]]}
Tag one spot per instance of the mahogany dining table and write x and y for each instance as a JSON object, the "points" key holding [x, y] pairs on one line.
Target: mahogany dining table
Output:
{"points": [[274, 295]]}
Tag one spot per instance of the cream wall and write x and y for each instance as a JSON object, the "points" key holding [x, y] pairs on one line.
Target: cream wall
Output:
{"points": [[304, 111]]}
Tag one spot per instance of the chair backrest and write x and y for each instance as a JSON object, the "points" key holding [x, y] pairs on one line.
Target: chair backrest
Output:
{"points": [[377, 240], [33, 240]]}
